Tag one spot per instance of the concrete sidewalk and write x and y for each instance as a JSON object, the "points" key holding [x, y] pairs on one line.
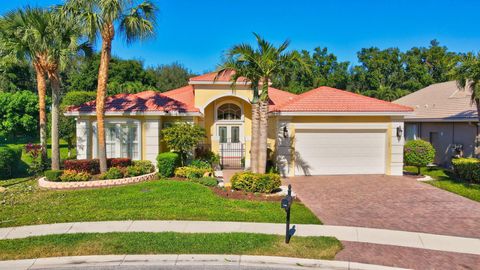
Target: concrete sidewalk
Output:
{"points": [[185, 260], [343, 233]]}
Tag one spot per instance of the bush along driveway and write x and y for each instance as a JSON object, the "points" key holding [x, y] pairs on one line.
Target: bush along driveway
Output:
{"points": [[25, 204]]}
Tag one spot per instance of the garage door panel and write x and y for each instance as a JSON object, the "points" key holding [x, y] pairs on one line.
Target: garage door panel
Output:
{"points": [[340, 152]]}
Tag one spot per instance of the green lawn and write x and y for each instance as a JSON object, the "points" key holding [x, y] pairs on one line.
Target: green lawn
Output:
{"points": [[24, 204], [447, 180], [168, 243]]}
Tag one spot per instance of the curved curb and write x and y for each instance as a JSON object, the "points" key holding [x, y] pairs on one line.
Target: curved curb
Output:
{"points": [[44, 183], [186, 260], [342, 233]]}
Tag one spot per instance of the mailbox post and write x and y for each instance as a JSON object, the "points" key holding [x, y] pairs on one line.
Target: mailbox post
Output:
{"points": [[286, 204]]}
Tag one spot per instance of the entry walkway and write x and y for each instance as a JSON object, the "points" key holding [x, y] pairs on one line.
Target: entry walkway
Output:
{"points": [[343, 233]]}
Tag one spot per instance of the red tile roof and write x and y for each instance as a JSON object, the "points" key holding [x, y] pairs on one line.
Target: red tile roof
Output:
{"points": [[222, 77], [181, 99], [327, 99], [279, 97]]}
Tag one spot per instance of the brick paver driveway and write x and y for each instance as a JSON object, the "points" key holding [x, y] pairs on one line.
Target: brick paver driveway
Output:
{"points": [[389, 202]]}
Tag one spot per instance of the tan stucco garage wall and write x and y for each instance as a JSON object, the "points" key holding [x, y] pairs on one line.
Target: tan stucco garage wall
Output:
{"points": [[394, 147]]}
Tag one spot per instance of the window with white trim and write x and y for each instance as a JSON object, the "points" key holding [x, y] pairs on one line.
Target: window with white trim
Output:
{"points": [[229, 111], [123, 140]]}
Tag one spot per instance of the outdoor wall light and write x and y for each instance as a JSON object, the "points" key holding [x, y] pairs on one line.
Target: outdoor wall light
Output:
{"points": [[399, 132], [285, 132]]}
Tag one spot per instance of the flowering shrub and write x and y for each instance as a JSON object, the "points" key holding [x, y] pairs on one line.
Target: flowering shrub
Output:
{"points": [[37, 165], [192, 172], [74, 176], [112, 173]]}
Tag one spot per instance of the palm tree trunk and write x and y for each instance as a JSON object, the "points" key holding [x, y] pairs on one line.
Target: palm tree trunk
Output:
{"points": [[55, 83], [262, 149], [42, 90], [106, 54], [255, 137]]}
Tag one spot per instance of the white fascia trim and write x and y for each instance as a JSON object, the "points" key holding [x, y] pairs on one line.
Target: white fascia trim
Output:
{"points": [[444, 120], [217, 83], [171, 113], [341, 113], [300, 126]]}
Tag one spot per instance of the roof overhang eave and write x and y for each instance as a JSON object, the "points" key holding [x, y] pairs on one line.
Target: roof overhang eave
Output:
{"points": [[342, 113], [135, 113]]}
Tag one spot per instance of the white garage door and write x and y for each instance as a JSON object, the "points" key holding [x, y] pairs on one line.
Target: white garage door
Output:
{"points": [[327, 152]]}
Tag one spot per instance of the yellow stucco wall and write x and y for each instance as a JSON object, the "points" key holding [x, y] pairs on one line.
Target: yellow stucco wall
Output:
{"points": [[206, 94]]}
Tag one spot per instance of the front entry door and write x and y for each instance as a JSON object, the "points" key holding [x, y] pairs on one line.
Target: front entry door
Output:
{"points": [[231, 148]]}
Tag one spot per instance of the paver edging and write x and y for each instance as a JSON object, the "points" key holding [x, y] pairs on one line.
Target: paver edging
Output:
{"points": [[44, 183]]}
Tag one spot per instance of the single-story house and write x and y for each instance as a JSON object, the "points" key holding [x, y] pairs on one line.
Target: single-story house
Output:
{"points": [[444, 116], [321, 132]]}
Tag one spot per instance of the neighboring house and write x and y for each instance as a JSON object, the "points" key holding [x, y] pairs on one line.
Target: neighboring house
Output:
{"points": [[323, 131], [444, 116]]}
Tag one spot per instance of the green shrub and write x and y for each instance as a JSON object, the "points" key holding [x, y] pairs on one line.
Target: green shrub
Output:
{"points": [[53, 175], [467, 168], [167, 163], [255, 182], [74, 176], [418, 153], [132, 171], [10, 159], [200, 164], [206, 181], [205, 154], [145, 165], [112, 173], [192, 172]]}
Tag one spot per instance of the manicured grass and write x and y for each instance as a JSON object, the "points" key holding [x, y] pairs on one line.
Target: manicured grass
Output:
{"points": [[447, 180], [156, 200], [168, 243]]}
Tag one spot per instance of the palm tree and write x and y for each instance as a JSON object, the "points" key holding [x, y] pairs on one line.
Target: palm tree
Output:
{"points": [[386, 93], [64, 43], [468, 78], [259, 66], [103, 18], [22, 38]]}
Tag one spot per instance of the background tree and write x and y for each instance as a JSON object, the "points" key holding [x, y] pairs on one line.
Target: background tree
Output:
{"points": [[182, 138], [168, 77], [17, 77], [468, 78], [22, 39], [104, 17], [18, 114]]}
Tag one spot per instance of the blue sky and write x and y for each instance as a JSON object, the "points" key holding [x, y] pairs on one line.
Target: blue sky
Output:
{"points": [[197, 33]]}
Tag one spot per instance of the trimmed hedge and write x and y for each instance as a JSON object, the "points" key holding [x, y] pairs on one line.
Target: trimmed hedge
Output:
{"points": [[467, 168], [10, 159], [418, 153], [192, 172], [167, 162], [53, 175], [92, 166], [255, 182]]}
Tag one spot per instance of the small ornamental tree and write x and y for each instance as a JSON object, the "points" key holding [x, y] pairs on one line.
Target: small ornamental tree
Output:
{"points": [[418, 153], [182, 137]]}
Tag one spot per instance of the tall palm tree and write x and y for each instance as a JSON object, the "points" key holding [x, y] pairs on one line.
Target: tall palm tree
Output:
{"points": [[259, 66], [468, 78], [64, 43], [102, 18], [22, 38]]}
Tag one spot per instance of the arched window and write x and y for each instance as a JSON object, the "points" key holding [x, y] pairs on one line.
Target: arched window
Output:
{"points": [[229, 111]]}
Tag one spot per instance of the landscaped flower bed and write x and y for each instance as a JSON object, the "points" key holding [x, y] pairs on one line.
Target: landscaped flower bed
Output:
{"points": [[79, 173]]}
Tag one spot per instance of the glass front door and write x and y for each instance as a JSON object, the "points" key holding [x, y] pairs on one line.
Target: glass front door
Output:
{"points": [[231, 147]]}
